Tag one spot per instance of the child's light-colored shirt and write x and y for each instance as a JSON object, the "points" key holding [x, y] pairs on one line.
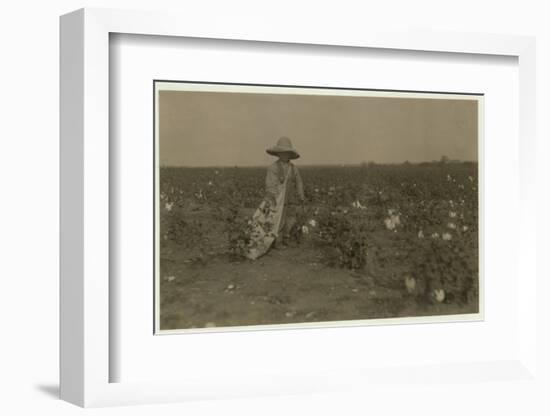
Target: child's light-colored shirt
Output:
{"points": [[276, 173]]}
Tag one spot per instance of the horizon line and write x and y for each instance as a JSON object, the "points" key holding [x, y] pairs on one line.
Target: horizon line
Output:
{"points": [[452, 161]]}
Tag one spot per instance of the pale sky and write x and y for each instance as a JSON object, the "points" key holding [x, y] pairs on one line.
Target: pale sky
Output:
{"points": [[234, 129]]}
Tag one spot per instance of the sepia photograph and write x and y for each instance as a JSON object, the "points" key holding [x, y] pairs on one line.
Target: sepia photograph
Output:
{"points": [[292, 207]]}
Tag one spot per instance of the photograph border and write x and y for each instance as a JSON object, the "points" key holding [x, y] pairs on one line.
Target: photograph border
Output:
{"points": [[376, 92], [84, 185]]}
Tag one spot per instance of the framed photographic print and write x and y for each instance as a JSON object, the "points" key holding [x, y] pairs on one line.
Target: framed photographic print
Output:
{"points": [[243, 214], [367, 218]]}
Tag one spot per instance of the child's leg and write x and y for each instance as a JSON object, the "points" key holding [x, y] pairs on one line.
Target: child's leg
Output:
{"points": [[290, 220], [280, 235]]}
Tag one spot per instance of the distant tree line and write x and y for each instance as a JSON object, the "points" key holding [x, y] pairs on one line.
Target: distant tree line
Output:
{"points": [[444, 160]]}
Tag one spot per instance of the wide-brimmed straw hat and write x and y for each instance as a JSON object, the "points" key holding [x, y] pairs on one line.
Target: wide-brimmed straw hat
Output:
{"points": [[283, 145]]}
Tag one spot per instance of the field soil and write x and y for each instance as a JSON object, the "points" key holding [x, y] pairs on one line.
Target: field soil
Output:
{"points": [[285, 286]]}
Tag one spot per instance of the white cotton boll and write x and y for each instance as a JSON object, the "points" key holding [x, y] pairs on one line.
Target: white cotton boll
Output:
{"points": [[465, 228], [396, 220], [451, 225], [447, 236], [420, 234], [439, 295], [452, 214], [357, 204], [312, 222], [410, 284], [392, 222], [435, 235], [305, 230], [169, 206]]}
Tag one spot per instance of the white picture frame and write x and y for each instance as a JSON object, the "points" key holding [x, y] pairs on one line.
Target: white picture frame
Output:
{"points": [[85, 355]]}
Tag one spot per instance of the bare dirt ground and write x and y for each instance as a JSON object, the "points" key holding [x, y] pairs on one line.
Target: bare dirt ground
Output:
{"points": [[284, 286]]}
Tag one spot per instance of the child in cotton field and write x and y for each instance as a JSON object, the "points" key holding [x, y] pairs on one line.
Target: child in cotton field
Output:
{"points": [[276, 215]]}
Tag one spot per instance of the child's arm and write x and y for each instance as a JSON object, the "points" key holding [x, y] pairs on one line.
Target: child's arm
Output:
{"points": [[299, 184]]}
